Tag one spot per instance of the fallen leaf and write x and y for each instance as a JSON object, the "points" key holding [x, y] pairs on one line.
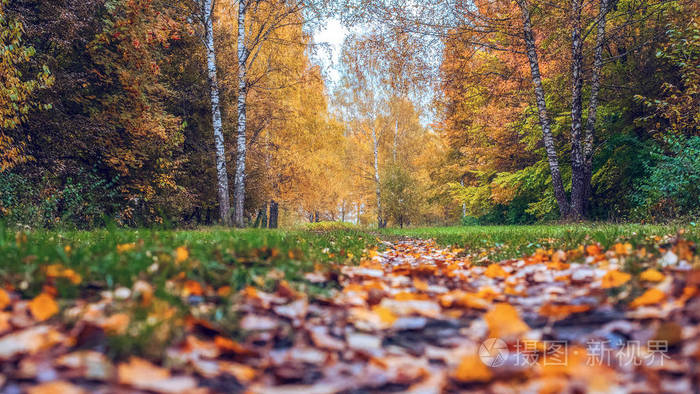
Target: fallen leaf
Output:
{"points": [[504, 322], [143, 375], [55, 387], [495, 271], [614, 278], [116, 324], [126, 247], [650, 297], [30, 340], [652, 275], [471, 369], [43, 307], [4, 299], [181, 254]]}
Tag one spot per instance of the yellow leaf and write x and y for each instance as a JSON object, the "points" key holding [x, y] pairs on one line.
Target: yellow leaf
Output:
{"points": [[495, 271], [181, 254], [471, 369], [652, 275], [650, 297], [385, 314], [562, 311], [43, 307], [4, 299], [126, 247], [615, 278], [504, 322]]}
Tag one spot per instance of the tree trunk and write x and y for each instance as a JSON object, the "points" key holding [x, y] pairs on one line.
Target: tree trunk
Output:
{"points": [[593, 104], [464, 203], [221, 172], [263, 223], [274, 214], [396, 141], [577, 160], [547, 137], [239, 179], [377, 182]]}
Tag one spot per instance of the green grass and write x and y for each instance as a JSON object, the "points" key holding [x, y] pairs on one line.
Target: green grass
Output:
{"points": [[502, 242], [217, 256]]}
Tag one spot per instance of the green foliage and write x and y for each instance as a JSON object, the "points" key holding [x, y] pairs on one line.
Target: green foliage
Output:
{"points": [[400, 196], [672, 183], [83, 200], [15, 89]]}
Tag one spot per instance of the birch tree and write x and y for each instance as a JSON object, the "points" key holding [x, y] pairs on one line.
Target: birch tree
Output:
{"points": [[207, 13], [258, 21]]}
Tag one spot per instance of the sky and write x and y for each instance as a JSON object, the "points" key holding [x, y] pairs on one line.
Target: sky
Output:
{"points": [[330, 38]]}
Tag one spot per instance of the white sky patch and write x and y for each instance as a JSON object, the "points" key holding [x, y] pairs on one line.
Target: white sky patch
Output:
{"points": [[330, 41]]}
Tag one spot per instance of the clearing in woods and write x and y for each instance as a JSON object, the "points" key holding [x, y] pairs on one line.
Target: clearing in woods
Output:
{"points": [[343, 311]]}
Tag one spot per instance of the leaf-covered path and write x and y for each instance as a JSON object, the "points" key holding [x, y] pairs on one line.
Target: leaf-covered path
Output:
{"points": [[414, 318]]}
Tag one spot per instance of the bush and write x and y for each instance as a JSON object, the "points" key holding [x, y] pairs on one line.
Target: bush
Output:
{"points": [[80, 201], [672, 184]]}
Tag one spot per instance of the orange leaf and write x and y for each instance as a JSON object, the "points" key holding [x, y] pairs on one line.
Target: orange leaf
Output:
{"points": [[593, 250], [615, 278], [504, 322], [495, 271], [652, 275], [43, 307], [471, 369], [224, 291], [56, 387], [650, 297], [4, 299], [181, 254], [562, 311], [192, 288]]}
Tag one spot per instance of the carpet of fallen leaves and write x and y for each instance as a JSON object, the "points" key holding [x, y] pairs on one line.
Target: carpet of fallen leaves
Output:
{"points": [[412, 318]]}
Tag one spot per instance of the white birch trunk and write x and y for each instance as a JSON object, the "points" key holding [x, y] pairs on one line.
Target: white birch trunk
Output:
{"points": [[547, 137], [239, 179], [577, 160], [593, 103], [377, 181], [221, 171]]}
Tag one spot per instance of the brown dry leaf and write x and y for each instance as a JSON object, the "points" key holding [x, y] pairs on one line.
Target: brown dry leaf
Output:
{"points": [[90, 364], [143, 375], [471, 369], [30, 340], [56, 387], [614, 278], [43, 307], [116, 324], [504, 322], [4, 299], [650, 297]]}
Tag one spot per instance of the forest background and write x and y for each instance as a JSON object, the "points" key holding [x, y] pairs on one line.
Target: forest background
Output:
{"points": [[143, 112]]}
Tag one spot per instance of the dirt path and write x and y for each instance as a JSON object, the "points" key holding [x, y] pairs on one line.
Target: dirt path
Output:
{"points": [[419, 318]]}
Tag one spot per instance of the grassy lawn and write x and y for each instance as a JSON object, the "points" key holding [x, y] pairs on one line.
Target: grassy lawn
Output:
{"points": [[501, 242], [106, 259]]}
